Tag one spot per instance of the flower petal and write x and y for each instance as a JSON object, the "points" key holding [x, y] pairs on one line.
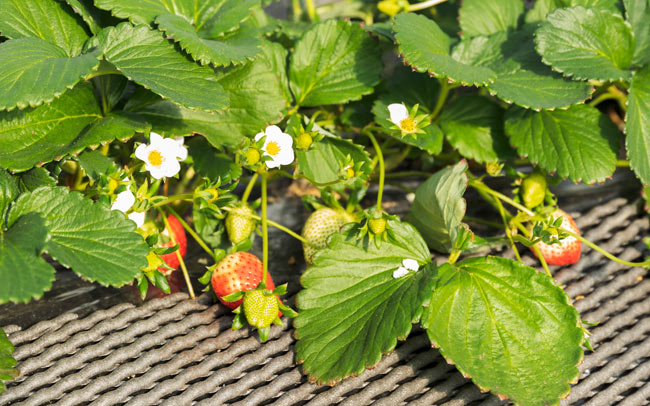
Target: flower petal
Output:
{"points": [[156, 172], [137, 217], [399, 272], [258, 136], [124, 201], [411, 264], [171, 167], [142, 152], [273, 130], [398, 112], [155, 138]]}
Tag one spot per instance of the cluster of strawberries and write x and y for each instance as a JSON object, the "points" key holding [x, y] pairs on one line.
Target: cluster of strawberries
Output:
{"points": [[236, 278]]}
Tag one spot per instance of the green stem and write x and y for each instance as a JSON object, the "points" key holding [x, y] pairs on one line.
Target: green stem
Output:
{"points": [[483, 222], [191, 232], [408, 174], [542, 261], [623, 163], [311, 10], [382, 168], [453, 257], [442, 98], [186, 275], [265, 231], [605, 253], [172, 198], [424, 4], [276, 225], [502, 212], [296, 9], [249, 188], [478, 185]]}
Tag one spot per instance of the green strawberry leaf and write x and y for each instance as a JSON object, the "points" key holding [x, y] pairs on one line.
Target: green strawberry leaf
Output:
{"points": [[224, 16], [212, 164], [95, 164], [579, 43], [426, 48], [34, 178], [638, 15], [323, 163], [542, 8], [36, 71], [20, 249], [236, 48], [579, 143], [256, 100], [474, 126], [144, 12], [86, 14], [119, 125], [637, 125], [99, 244], [334, 62], [49, 131], [480, 17], [8, 192], [7, 363], [522, 78], [508, 327], [276, 56], [488, 51], [49, 20], [439, 207], [352, 309], [146, 57]]}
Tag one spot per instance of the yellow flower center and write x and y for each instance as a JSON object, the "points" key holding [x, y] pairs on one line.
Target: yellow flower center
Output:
{"points": [[155, 158], [272, 148], [407, 125]]}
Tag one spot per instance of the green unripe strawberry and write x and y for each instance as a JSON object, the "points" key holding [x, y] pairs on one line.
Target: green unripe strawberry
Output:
{"points": [[319, 226], [260, 309], [252, 156], [240, 224], [533, 190], [304, 141], [377, 226]]}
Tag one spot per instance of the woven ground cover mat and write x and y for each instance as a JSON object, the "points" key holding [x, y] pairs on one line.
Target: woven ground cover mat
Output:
{"points": [[177, 351]]}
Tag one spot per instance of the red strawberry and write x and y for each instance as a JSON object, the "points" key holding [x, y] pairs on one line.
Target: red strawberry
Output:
{"points": [[238, 272], [178, 232], [567, 252]]}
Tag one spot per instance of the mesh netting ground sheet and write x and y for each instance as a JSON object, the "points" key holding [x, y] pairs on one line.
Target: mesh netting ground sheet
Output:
{"points": [[177, 351]]}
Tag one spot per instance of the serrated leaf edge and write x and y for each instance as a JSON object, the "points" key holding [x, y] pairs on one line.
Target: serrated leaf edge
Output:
{"points": [[434, 74], [205, 60], [625, 78], [56, 95], [501, 396]]}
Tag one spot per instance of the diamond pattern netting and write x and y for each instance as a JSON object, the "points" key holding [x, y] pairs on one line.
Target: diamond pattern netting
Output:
{"points": [[175, 351]]}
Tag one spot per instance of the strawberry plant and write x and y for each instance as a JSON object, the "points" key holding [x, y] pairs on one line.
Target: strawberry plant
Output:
{"points": [[132, 130]]}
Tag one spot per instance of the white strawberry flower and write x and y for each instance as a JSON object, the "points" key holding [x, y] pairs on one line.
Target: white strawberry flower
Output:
{"points": [[123, 202], [399, 115], [408, 265], [277, 145], [161, 156]]}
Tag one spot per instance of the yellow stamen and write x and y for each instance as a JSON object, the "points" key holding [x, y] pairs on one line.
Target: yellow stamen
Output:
{"points": [[407, 125], [155, 158], [272, 148]]}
